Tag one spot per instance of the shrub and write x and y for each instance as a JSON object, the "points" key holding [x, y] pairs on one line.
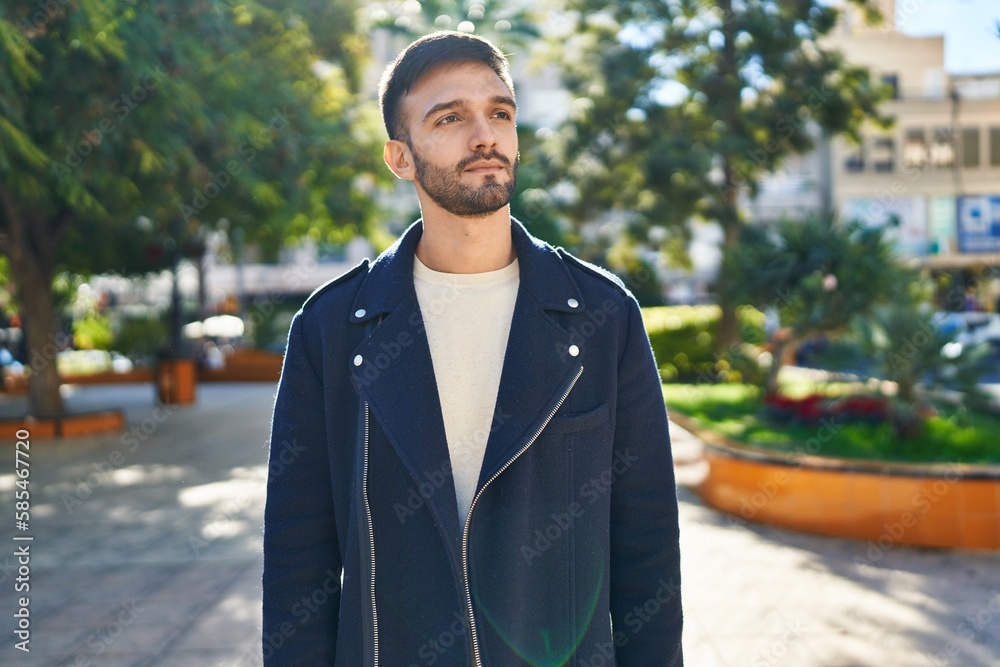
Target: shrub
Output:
{"points": [[92, 332], [140, 338], [683, 342], [269, 323]]}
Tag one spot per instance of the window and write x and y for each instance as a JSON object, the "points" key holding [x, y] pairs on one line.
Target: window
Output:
{"points": [[995, 146], [892, 80], [915, 148], [970, 147], [883, 154], [855, 160], [942, 153]]}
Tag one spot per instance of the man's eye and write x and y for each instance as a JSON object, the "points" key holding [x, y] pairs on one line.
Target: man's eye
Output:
{"points": [[448, 120], [504, 114]]}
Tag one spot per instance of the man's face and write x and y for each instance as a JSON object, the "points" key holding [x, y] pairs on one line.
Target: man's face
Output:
{"points": [[463, 139]]}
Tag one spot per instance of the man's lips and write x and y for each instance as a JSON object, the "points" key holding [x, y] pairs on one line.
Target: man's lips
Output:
{"points": [[486, 168]]}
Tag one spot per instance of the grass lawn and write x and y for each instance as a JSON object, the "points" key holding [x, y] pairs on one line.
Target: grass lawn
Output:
{"points": [[736, 411]]}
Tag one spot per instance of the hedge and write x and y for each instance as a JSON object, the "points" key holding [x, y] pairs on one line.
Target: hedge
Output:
{"points": [[683, 342]]}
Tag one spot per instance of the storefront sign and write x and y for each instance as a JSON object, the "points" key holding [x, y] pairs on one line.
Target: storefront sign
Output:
{"points": [[979, 224]]}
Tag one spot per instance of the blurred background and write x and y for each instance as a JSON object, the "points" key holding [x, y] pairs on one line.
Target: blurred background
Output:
{"points": [[166, 164], [804, 195]]}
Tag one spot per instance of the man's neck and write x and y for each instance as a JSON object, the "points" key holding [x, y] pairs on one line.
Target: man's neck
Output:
{"points": [[454, 244]]}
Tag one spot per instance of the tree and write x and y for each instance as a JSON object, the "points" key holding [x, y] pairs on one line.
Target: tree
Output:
{"points": [[182, 113], [818, 275], [922, 360], [532, 203], [505, 23], [681, 104]]}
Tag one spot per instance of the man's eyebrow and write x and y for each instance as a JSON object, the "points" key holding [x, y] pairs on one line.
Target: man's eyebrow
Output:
{"points": [[504, 99], [444, 106], [461, 103]]}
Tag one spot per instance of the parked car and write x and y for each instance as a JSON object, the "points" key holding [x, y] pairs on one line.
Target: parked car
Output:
{"points": [[969, 329]]}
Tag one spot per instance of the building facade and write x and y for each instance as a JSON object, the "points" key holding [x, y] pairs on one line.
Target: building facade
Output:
{"points": [[937, 170]]}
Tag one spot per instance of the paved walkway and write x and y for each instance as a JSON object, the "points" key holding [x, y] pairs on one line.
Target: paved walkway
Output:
{"points": [[147, 552]]}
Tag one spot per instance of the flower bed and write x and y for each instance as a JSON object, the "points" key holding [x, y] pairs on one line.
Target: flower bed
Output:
{"points": [[814, 408]]}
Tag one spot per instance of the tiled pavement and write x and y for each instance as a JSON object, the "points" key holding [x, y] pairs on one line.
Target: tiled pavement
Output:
{"points": [[147, 552]]}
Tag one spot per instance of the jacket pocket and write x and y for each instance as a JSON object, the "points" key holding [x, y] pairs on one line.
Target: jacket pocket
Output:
{"points": [[571, 422]]}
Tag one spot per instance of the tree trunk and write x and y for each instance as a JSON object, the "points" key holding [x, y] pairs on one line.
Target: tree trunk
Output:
{"points": [[727, 333], [907, 422], [30, 242], [771, 381], [43, 346], [782, 352]]}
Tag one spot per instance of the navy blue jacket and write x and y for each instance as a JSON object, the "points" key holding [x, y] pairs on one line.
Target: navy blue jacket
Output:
{"points": [[570, 553]]}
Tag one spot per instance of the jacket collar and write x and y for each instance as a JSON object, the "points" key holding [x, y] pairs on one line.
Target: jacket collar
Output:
{"points": [[540, 269]]}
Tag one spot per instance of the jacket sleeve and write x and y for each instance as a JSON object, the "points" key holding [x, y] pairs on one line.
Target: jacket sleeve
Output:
{"points": [[302, 567], [645, 552]]}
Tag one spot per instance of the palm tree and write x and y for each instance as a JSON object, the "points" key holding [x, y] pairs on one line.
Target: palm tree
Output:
{"points": [[921, 359]]}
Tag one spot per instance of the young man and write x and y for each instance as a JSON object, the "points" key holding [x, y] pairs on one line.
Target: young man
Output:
{"points": [[470, 463]]}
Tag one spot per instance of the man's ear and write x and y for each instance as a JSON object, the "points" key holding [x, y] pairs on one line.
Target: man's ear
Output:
{"points": [[399, 159]]}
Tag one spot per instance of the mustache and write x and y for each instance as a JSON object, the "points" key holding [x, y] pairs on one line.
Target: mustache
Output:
{"points": [[479, 157]]}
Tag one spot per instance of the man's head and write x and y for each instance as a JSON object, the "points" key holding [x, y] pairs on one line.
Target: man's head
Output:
{"points": [[448, 105], [428, 53]]}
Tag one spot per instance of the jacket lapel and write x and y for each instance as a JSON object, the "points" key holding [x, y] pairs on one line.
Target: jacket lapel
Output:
{"points": [[393, 371], [538, 364]]}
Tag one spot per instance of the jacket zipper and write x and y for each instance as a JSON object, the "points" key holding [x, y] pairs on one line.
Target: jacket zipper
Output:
{"points": [[371, 538], [468, 518]]}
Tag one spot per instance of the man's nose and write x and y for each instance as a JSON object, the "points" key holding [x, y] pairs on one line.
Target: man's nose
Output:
{"points": [[483, 137]]}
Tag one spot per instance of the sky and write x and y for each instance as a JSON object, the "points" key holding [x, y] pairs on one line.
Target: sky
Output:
{"points": [[971, 45]]}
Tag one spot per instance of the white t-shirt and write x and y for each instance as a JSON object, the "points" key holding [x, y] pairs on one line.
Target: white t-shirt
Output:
{"points": [[467, 318]]}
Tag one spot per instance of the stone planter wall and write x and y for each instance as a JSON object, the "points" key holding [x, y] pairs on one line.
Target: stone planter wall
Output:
{"points": [[883, 503]]}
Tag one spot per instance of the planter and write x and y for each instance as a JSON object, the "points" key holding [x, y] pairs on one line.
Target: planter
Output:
{"points": [[18, 385], [881, 502], [246, 366], [176, 381], [65, 426]]}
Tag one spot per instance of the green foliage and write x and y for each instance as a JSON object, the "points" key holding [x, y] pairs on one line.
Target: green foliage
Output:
{"points": [[921, 360], [269, 323], [505, 23], [181, 111], [954, 435], [681, 103], [532, 204], [681, 339], [6, 296], [126, 126], [93, 332], [818, 274], [683, 343], [635, 269], [141, 338]]}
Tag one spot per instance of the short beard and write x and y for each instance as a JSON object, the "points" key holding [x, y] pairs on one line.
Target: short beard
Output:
{"points": [[445, 188]]}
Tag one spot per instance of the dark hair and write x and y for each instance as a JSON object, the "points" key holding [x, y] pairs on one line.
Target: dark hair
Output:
{"points": [[425, 54]]}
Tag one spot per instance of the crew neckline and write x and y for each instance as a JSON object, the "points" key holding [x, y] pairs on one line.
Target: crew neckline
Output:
{"points": [[425, 274]]}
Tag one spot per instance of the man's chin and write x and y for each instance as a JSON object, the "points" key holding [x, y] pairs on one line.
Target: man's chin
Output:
{"points": [[481, 211], [493, 178]]}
